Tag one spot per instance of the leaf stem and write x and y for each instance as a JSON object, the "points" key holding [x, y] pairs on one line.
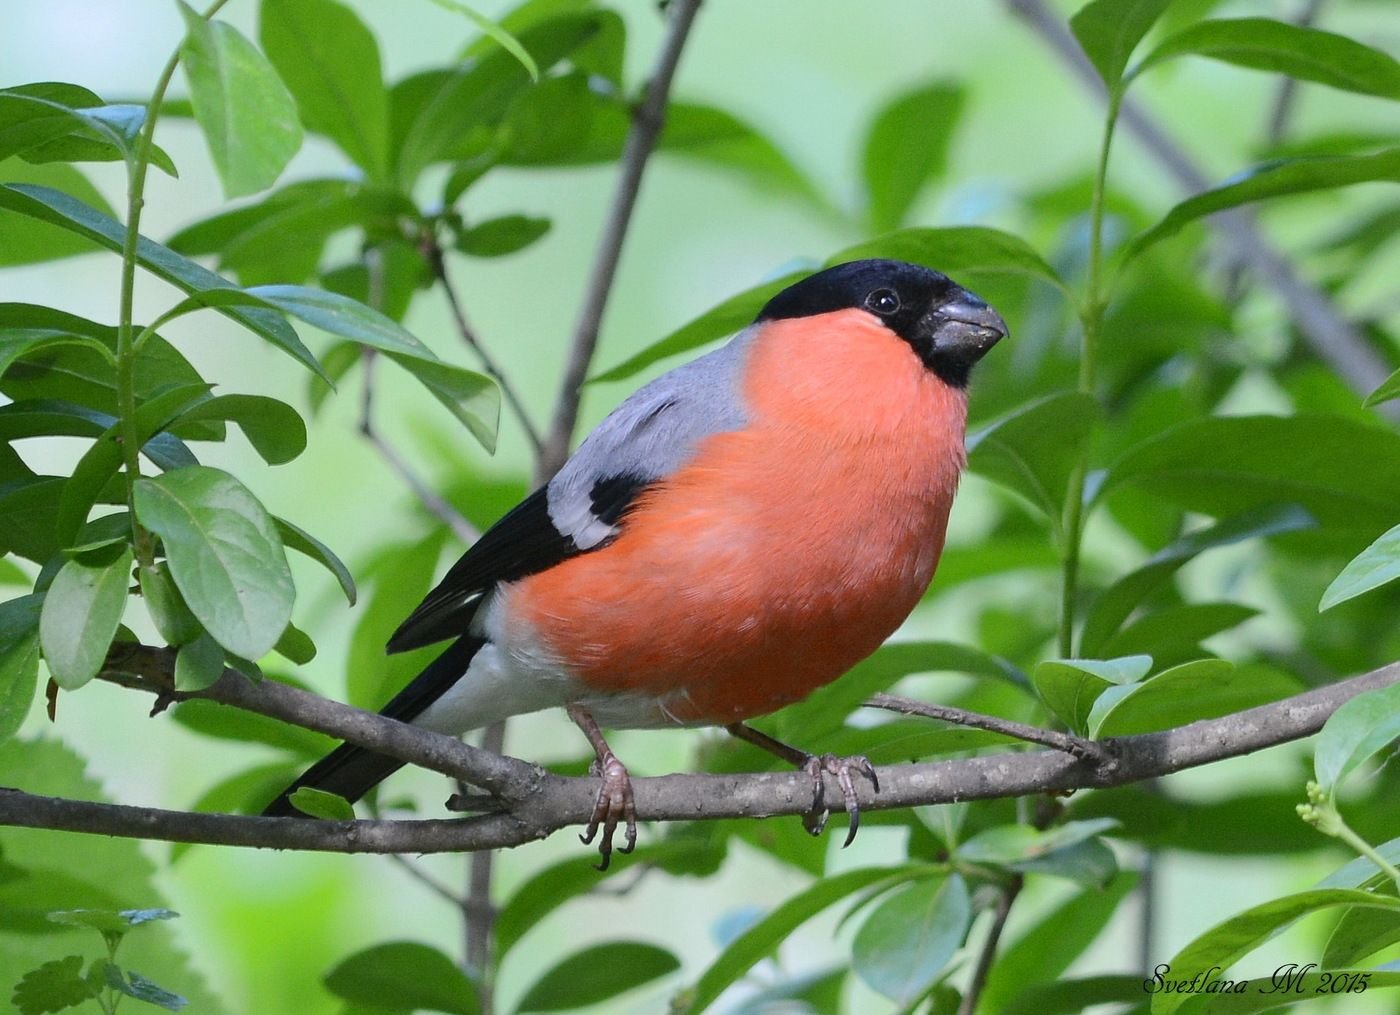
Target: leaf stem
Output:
{"points": [[137, 167], [1091, 323]]}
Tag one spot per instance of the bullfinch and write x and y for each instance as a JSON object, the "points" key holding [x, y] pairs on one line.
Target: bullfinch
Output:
{"points": [[736, 534]]}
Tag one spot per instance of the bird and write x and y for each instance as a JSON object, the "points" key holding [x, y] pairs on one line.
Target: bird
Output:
{"points": [[737, 533]]}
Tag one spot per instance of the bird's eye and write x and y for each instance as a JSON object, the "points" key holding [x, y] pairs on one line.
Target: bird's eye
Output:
{"points": [[883, 301]]}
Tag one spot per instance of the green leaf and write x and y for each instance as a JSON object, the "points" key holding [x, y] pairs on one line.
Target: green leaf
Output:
{"points": [[1361, 933], [319, 803], [1116, 603], [1071, 997], [32, 114], [499, 236], [225, 555], [1307, 54], [472, 397], [274, 429], [298, 539], [55, 122], [52, 987], [1274, 179], [1359, 729], [906, 147], [495, 32], [211, 720], [404, 974], [172, 618], [1262, 993], [48, 205], [1226, 942], [137, 986], [198, 664], [1071, 851], [1373, 567], [1362, 872], [81, 613], [1202, 689], [596, 974], [1173, 629], [29, 241], [728, 317], [905, 944], [957, 251], [19, 660], [245, 111], [1033, 451], [110, 921], [329, 61], [1346, 474], [1109, 31], [1069, 687], [1388, 391]]}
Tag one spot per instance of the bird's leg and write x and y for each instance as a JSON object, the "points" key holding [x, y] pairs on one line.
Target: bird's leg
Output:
{"points": [[614, 796], [817, 766]]}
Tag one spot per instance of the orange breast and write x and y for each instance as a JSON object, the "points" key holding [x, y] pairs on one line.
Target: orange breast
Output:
{"points": [[780, 555]]}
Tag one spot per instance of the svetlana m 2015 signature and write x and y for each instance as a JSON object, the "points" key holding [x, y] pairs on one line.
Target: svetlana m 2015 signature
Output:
{"points": [[1293, 978]]}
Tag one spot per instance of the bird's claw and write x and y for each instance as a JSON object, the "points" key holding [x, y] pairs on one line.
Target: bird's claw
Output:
{"points": [[819, 766], [614, 803]]}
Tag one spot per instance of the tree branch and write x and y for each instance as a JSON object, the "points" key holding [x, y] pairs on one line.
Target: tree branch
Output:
{"points": [[1332, 337], [536, 803], [647, 121]]}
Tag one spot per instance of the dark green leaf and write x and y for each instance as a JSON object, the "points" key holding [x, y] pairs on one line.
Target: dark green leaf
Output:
{"points": [[1386, 392], [319, 803], [295, 646], [225, 555], [499, 236], [1361, 933], [172, 618], [1345, 473], [54, 418], [1259, 994], [34, 113], [248, 118], [1071, 851], [81, 613], [1373, 567], [19, 660], [52, 206], [725, 319], [404, 974], [1226, 942], [1072, 997], [330, 63], [1203, 689], [198, 664], [1109, 31], [26, 504], [763, 937], [1033, 451], [1275, 179], [1069, 687], [52, 987], [294, 538], [1308, 54], [273, 428], [905, 944], [1116, 603], [57, 122], [907, 146], [1173, 628], [1354, 733], [596, 974], [957, 251]]}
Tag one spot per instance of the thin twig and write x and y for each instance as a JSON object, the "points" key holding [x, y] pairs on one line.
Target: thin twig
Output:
{"points": [[437, 263], [430, 881], [987, 955], [1332, 337], [647, 121], [536, 803], [1077, 746]]}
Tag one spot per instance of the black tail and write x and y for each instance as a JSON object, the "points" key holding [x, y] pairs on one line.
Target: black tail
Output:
{"points": [[351, 771]]}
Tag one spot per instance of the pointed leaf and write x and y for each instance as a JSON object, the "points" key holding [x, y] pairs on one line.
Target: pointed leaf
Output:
{"points": [[957, 251], [596, 974], [1353, 734], [500, 236], [1373, 567], [274, 429], [1069, 687], [404, 974], [298, 539], [906, 147], [495, 32], [1033, 451], [905, 944], [1109, 31], [81, 613], [19, 660], [1360, 933], [1202, 689], [225, 555]]}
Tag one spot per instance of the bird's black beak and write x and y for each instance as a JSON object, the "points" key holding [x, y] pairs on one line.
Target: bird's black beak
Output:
{"points": [[964, 329]]}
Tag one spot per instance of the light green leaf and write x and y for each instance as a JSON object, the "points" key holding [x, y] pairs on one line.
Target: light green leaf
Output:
{"points": [[52, 987], [81, 613], [30, 241], [225, 555], [1373, 567], [957, 251], [1389, 390], [404, 974], [499, 236], [329, 61], [906, 943], [907, 147], [1360, 933], [1274, 179], [596, 974], [1109, 31], [248, 118], [1201, 689], [198, 664], [1304, 53], [298, 539], [494, 31], [1358, 730], [319, 803], [1226, 942], [1033, 451], [1069, 687]]}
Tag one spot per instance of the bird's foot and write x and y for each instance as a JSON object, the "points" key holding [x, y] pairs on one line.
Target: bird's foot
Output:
{"points": [[819, 766], [614, 803]]}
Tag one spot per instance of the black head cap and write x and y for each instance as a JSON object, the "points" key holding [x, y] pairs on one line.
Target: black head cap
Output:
{"points": [[947, 326]]}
